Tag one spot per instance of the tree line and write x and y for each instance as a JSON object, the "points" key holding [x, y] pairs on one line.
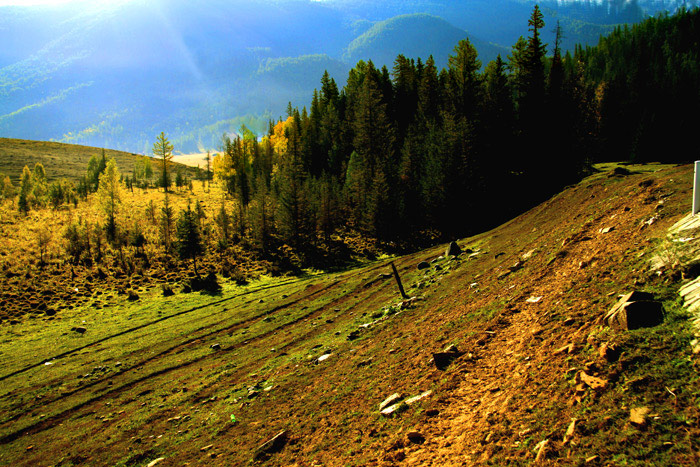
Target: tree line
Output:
{"points": [[414, 154], [416, 151]]}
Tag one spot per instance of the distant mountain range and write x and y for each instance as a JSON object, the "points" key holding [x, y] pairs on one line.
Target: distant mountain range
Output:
{"points": [[116, 75]]}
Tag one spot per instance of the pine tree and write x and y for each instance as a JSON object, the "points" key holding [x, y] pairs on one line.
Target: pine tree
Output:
{"points": [[499, 125], [25, 191], [261, 215], [163, 150], [464, 83], [207, 174], [7, 189], [223, 224], [166, 225], [429, 92], [109, 195], [189, 238], [39, 185]]}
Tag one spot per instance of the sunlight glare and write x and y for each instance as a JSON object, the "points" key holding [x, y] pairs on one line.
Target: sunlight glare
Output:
{"points": [[44, 2]]}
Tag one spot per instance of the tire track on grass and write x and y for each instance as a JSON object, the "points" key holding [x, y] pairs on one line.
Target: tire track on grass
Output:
{"points": [[54, 420], [141, 326], [57, 418]]}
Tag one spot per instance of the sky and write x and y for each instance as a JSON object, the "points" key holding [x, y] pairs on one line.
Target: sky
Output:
{"points": [[33, 2], [38, 2]]}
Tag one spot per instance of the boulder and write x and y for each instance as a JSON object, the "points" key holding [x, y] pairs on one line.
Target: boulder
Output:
{"points": [[423, 265], [634, 311], [443, 359], [453, 249]]}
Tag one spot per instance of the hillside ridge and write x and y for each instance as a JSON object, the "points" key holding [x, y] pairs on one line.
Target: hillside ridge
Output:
{"points": [[61, 160], [312, 358]]}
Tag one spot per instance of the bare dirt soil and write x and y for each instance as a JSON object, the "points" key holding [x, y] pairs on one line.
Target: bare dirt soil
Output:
{"points": [[207, 380]]}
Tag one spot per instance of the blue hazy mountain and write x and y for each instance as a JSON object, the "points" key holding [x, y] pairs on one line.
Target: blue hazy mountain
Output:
{"points": [[116, 75]]}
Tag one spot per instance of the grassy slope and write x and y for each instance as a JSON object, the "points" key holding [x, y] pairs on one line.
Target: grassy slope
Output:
{"points": [[143, 382], [60, 160]]}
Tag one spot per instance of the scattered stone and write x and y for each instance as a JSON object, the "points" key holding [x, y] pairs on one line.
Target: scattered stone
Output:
{"points": [[79, 329], [528, 255], [322, 358], [638, 416], [541, 449], [591, 459], [392, 399], [606, 230], [591, 381], [534, 299], [156, 461], [517, 266], [568, 349], [206, 448], [364, 363], [443, 359], [423, 265], [634, 311], [271, 446], [415, 437], [620, 171], [409, 303], [420, 397], [570, 431], [216, 346], [609, 352], [453, 250], [354, 335], [396, 408], [503, 275]]}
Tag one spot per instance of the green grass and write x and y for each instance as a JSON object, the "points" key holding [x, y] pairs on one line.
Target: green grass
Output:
{"points": [[60, 160]]}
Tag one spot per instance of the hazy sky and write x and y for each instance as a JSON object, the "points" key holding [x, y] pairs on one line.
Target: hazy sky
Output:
{"points": [[40, 2]]}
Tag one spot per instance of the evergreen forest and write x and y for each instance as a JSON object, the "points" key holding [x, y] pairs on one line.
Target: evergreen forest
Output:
{"points": [[417, 152], [406, 157]]}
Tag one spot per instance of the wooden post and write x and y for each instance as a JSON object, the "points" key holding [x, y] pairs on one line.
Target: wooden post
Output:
{"points": [[398, 280], [696, 189]]}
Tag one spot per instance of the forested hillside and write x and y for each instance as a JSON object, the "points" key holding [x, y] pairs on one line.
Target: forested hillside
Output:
{"points": [[454, 150], [116, 74], [647, 79], [399, 158]]}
